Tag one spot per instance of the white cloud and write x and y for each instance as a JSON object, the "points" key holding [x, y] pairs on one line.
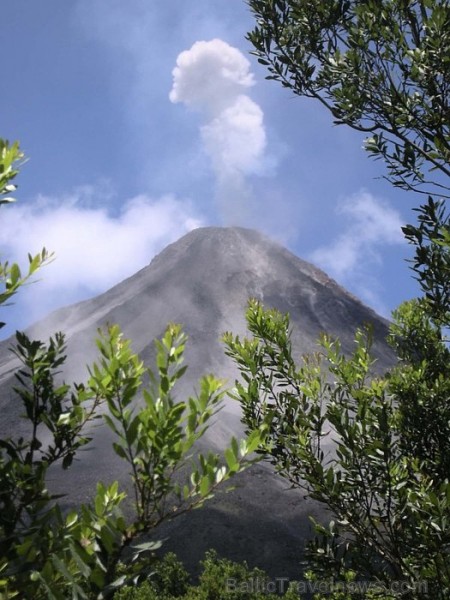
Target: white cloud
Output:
{"points": [[236, 139], [371, 225], [94, 250], [212, 77]]}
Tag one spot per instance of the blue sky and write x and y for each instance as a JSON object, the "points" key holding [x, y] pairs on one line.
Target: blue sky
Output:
{"points": [[142, 120]]}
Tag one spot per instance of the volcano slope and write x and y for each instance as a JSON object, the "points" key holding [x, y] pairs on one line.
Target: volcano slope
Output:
{"points": [[203, 281]]}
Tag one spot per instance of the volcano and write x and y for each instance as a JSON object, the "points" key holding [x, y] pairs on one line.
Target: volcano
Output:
{"points": [[204, 281]]}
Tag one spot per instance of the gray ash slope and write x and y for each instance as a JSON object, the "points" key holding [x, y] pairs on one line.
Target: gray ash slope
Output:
{"points": [[204, 281]]}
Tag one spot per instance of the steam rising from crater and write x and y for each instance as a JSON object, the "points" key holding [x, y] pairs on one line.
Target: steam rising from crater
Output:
{"points": [[213, 78]]}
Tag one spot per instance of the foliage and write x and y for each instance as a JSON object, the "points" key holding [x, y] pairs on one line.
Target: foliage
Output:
{"points": [[223, 579], [10, 159], [158, 438], [380, 66], [47, 554], [52, 411], [431, 262], [42, 552], [220, 579], [11, 277], [373, 450]]}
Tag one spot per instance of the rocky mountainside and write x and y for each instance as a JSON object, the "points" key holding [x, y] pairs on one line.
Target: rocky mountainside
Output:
{"points": [[204, 281]]}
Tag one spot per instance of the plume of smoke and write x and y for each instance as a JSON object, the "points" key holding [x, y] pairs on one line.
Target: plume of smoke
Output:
{"points": [[212, 77]]}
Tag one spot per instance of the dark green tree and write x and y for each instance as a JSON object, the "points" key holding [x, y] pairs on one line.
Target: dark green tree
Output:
{"points": [[45, 554], [380, 67], [374, 450]]}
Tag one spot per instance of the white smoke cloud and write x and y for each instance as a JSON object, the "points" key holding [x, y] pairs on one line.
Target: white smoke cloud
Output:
{"points": [[212, 77], [94, 249], [235, 139], [371, 225]]}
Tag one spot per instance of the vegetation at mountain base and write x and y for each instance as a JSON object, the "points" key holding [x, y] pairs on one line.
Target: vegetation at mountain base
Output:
{"points": [[44, 553], [222, 579], [374, 450]]}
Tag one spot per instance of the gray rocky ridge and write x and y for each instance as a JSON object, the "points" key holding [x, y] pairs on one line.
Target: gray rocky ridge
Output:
{"points": [[204, 281]]}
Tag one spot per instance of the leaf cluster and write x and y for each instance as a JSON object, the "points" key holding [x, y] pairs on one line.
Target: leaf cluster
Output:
{"points": [[158, 437], [220, 579], [373, 450], [431, 262], [10, 159], [46, 554], [11, 276], [381, 67]]}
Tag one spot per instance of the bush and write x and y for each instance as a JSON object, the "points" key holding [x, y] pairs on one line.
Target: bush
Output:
{"points": [[220, 579]]}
